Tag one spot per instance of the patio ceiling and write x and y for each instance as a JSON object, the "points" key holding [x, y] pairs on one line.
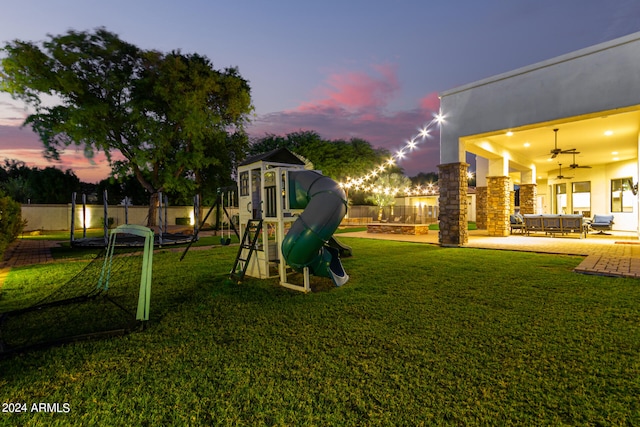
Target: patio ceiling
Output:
{"points": [[599, 138]]}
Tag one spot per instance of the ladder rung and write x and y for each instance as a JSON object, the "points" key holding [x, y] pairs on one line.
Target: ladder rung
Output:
{"points": [[249, 240]]}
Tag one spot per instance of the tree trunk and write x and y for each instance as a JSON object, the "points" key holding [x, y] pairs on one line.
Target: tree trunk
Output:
{"points": [[153, 210]]}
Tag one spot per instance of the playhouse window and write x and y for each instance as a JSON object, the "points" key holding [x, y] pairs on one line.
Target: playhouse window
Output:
{"points": [[244, 183]]}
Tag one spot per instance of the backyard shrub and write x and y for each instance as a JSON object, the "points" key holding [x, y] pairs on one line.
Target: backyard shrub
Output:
{"points": [[11, 223]]}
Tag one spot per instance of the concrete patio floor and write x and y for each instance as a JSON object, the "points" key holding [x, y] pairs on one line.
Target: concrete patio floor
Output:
{"points": [[617, 254]]}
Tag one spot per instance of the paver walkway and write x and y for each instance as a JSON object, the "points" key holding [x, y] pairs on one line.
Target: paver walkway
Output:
{"points": [[25, 252]]}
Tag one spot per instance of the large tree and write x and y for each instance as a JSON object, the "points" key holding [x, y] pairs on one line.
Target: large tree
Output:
{"points": [[163, 117]]}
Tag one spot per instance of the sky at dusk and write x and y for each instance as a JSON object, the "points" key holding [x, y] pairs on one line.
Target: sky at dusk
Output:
{"points": [[347, 68]]}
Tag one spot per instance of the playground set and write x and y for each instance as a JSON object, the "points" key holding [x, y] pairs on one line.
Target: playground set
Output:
{"points": [[287, 217]]}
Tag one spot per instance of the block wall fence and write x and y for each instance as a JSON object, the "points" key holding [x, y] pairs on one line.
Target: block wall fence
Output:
{"points": [[58, 217]]}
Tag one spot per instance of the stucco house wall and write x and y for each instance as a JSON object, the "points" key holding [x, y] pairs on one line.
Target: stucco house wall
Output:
{"points": [[593, 79]]}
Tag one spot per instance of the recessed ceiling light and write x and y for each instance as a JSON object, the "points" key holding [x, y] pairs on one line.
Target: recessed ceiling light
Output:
{"points": [[526, 144], [614, 153], [509, 133], [608, 132], [615, 159]]}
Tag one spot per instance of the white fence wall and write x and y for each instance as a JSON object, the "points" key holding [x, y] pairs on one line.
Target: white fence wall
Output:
{"points": [[58, 217]]}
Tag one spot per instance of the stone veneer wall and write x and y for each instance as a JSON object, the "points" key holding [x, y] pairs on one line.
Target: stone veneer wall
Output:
{"points": [[498, 205], [481, 208], [452, 182], [405, 229], [512, 202], [528, 194]]}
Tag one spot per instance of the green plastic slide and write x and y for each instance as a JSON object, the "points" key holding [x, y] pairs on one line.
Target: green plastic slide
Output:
{"points": [[307, 242]]}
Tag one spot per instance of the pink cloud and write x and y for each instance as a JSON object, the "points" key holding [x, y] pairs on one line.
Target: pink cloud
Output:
{"points": [[354, 105], [21, 143], [430, 102], [356, 91]]}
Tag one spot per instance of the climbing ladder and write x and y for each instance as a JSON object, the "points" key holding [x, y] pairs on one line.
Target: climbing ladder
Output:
{"points": [[247, 246]]}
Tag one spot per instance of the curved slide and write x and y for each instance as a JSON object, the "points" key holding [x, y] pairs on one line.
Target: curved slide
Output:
{"points": [[309, 242]]}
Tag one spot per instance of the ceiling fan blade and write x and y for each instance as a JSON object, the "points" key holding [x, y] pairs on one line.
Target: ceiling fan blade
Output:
{"points": [[560, 176], [574, 165]]}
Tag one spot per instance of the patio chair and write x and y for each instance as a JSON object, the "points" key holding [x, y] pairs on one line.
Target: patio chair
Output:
{"points": [[517, 224], [601, 223]]}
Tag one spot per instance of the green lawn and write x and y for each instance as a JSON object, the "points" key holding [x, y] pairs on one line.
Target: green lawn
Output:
{"points": [[420, 335]]}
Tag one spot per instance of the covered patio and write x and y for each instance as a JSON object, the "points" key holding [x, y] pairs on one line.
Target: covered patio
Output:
{"points": [[564, 133]]}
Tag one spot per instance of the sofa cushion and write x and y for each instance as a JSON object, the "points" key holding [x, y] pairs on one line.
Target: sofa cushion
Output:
{"points": [[602, 219]]}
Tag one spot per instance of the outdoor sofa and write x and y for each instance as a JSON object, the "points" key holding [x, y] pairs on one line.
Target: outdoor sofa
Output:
{"points": [[555, 224]]}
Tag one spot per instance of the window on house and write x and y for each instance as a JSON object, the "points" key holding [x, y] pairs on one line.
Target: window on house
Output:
{"points": [[581, 198], [561, 198], [621, 195]]}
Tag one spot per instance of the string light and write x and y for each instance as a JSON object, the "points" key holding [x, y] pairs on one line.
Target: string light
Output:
{"points": [[361, 183]]}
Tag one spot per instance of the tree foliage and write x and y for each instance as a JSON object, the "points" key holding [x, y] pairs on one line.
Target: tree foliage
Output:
{"points": [[11, 223], [425, 178], [337, 159], [385, 186], [169, 119], [117, 189], [34, 185]]}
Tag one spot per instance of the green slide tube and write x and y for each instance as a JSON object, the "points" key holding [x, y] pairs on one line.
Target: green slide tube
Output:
{"points": [[306, 243]]}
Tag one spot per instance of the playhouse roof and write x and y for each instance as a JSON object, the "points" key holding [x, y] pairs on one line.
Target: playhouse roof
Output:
{"points": [[279, 155]]}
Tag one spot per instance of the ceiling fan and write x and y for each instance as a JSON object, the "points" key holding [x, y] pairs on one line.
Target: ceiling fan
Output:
{"points": [[560, 176], [574, 165], [556, 150]]}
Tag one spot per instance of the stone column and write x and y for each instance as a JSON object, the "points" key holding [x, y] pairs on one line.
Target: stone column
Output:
{"points": [[512, 201], [481, 208], [498, 205], [528, 194], [452, 183]]}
